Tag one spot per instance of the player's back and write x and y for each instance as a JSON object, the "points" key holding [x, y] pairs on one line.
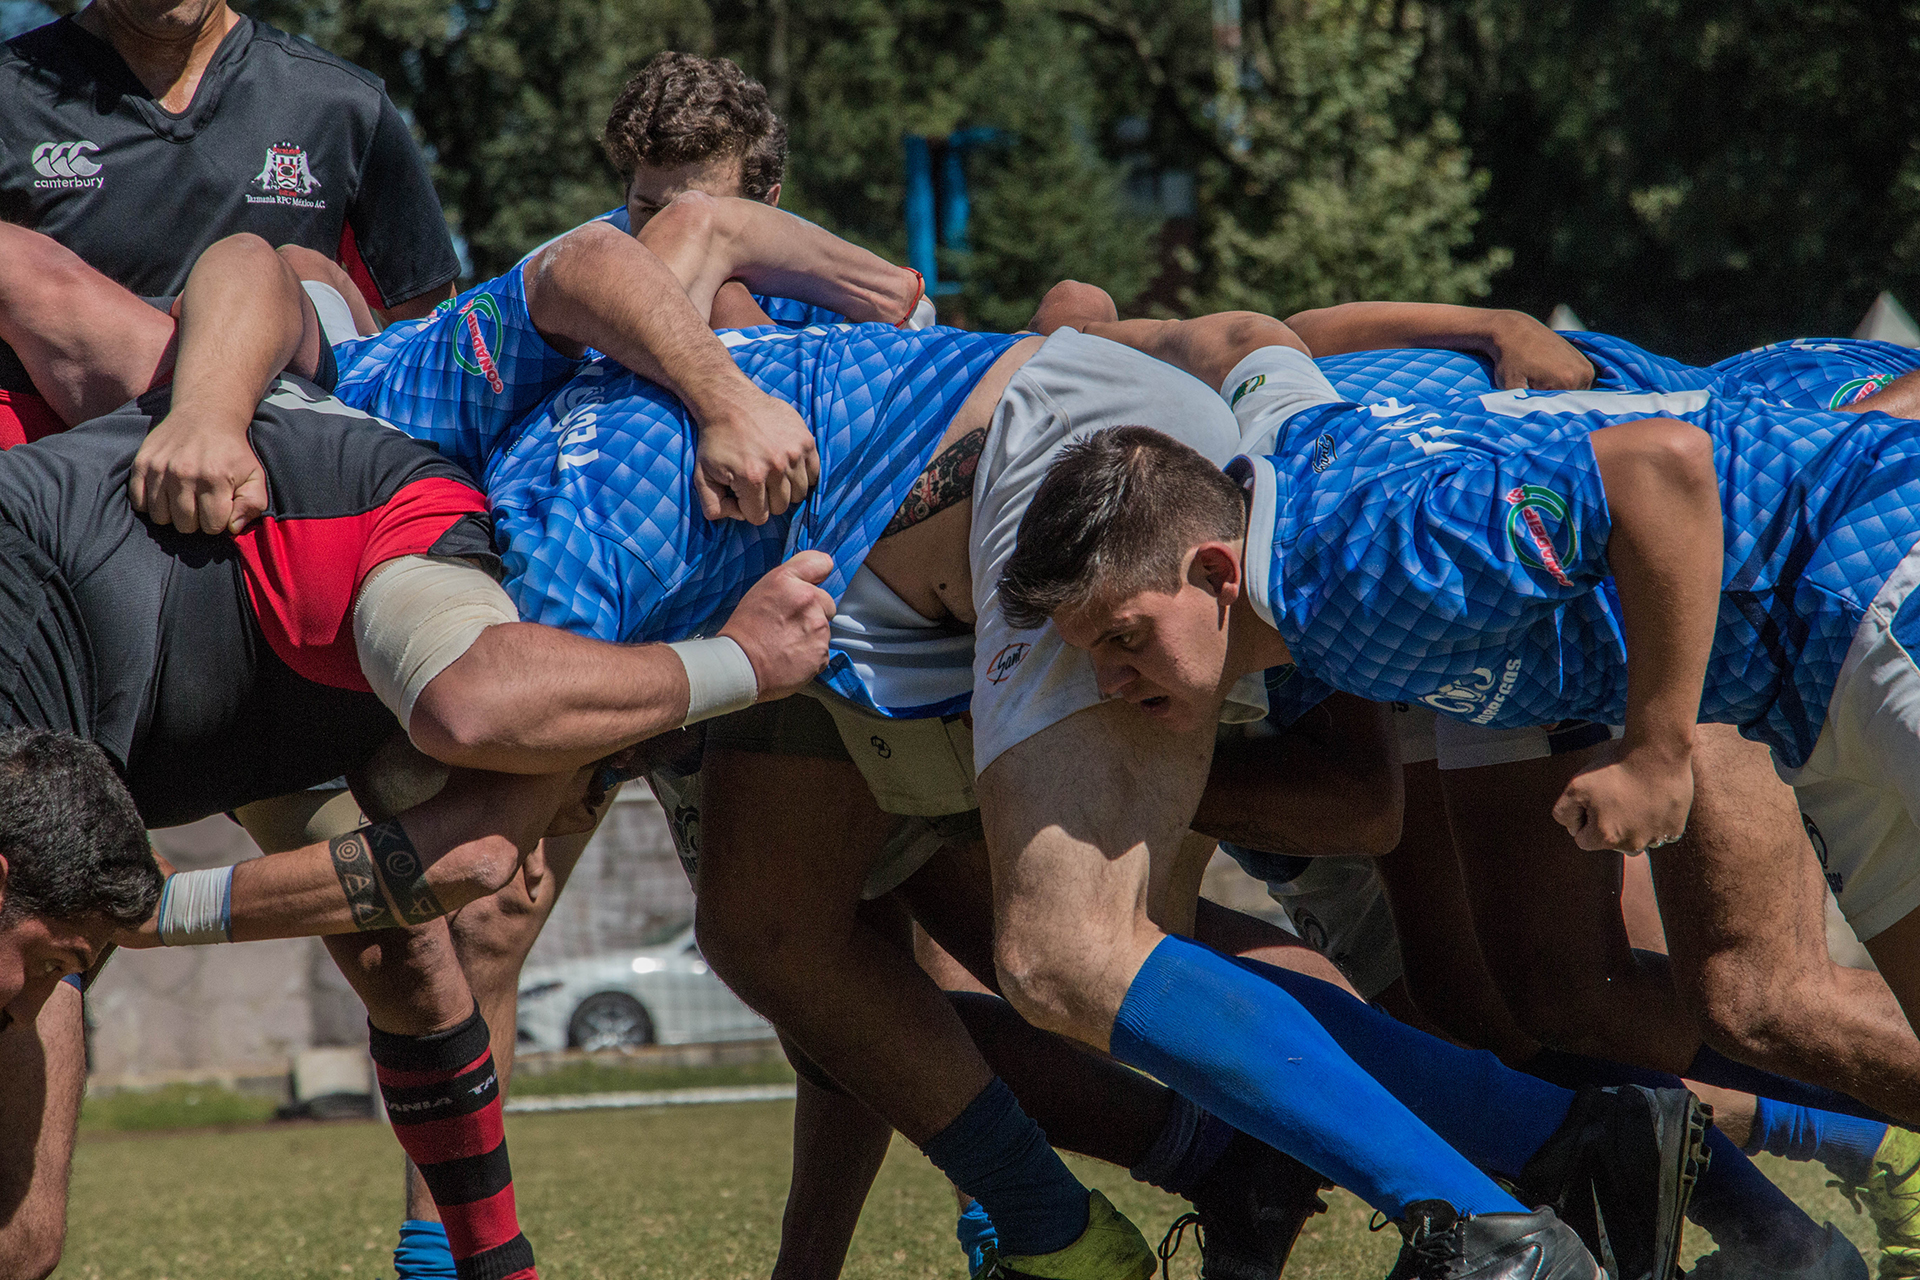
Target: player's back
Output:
{"points": [[1430, 375], [604, 534]]}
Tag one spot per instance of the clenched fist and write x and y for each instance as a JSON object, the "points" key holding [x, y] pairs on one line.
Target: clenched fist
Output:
{"points": [[1529, 355], [754, 461], [198, 477], [782, 624]]}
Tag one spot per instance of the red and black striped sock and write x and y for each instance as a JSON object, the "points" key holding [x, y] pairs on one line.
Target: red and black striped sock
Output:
{"points": [[443, 1099]]}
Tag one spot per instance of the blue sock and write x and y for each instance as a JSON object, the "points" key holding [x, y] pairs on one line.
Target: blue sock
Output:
{"points": [[1710, 1067], [995, 1153], [1497, 1117], [1246, 1051], [423, 1253], [1732, 1194], [976, 1235], [1845, 1144]]}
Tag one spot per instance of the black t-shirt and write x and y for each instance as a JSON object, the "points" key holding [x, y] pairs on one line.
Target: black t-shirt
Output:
{"points": [[214, 670], [281, 139]]}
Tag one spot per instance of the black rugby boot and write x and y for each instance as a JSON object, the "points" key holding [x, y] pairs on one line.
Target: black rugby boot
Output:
{"points": [[1441, 1244], [1620, 1171], [1247, 1212]]}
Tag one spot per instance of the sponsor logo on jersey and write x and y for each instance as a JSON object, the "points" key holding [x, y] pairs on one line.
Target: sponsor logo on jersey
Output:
{"points": [[1857, 389], [1005, 661], [63, 165], [1478, 695], [476, 337], [1531, 506], [1251, 384], [286, 177], [1324, 453]]}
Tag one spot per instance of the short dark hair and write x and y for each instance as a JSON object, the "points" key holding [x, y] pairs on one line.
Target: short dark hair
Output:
{"points": [[1115, 516], [73, 841], [683, 109]]}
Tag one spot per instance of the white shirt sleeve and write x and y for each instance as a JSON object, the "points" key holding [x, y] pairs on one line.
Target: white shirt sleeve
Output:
{"points": [[1270, 386]]}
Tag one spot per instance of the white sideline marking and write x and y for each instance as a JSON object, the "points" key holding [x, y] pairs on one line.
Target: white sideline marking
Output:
{"points": [[654, 1098]]}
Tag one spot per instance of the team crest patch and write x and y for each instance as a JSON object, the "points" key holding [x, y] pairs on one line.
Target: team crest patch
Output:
{"points": [[286, 177], [1251, 384], [476, 337], [1005, 661], [1531, 507], [1858, 389]]}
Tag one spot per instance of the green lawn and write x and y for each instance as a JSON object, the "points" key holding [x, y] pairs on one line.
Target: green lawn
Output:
{"points": [[692, 1192]]}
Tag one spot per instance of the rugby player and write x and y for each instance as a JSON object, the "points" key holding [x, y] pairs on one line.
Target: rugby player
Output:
{"points": [[333, 591], [1776, 709]]}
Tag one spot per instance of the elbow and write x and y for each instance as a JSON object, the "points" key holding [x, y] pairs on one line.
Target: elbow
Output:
{"points": [[459, 722]]}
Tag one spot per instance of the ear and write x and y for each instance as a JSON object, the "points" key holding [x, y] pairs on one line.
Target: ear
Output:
{"points": [[1215, 568], [4, 869], [773, 195]]}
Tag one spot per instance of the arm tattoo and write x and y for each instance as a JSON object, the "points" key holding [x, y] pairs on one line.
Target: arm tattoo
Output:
{"points": [[396, 864], [353, 863], [948, 479]]}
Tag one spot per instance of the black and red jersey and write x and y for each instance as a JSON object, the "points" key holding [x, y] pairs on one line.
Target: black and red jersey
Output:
{"points": [[215, 670]]}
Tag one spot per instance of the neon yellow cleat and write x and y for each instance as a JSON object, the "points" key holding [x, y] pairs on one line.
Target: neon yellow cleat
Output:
{"points": [[1891, 1197], [1111, 1248]]}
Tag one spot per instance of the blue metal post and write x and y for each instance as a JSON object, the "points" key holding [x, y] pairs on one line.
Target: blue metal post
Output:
{"points": [[920, 209], [954, 205]]}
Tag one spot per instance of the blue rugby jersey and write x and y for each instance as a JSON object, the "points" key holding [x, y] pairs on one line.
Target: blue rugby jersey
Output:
{"points": [[461, 378], [594, 504], [1425, 374], [1456, 556], [1821, 373], [788, 313]]}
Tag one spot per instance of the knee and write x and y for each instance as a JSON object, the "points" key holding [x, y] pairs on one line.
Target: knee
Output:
{"points": [[1742, 1014], [1049, 982], [755, 950], [497, 929]]}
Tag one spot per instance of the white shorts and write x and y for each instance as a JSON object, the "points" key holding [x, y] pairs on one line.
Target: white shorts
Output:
{"points": [[1860, 787], [1426, 735], [1074, 386]]}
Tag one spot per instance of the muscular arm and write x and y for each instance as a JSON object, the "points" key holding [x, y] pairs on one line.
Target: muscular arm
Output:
{"points": [[44, 1065], [1208, 347], [1666, 554], [242, 319], [1525, 352], [1329, 784]]}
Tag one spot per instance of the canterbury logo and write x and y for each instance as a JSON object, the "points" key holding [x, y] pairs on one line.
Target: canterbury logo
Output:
{"points": [[64, 160]]}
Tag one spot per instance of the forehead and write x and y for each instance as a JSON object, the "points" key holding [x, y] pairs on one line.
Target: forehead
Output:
{"points": [[1082, 625], [660, 183]]}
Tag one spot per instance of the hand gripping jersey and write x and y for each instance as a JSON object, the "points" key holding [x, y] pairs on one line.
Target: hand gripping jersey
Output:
{"points": [[1456, 555], [594, 499], [214, 670]]}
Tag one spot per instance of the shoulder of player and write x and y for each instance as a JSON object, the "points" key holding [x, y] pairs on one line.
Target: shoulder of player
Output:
{"points": [[324, 458], [317, 67]]}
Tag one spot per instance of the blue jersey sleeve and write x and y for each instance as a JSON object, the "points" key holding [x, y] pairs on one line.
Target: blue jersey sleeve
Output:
{"points": [[461, 378]]}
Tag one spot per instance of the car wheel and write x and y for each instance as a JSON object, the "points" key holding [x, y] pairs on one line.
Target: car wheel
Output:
{"points": [[609, 1020]]}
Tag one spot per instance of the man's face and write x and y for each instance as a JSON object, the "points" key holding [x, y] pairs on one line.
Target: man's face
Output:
{"points": [[654, 187], [36, 953], [1165, 653]]}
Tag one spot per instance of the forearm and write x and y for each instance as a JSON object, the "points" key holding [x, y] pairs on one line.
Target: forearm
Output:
{"points": [[461, 845], [44, 1065], [778, 254], [532, 699], [242, 321], [1207, 347], [1666, 554], [1377, 326]]}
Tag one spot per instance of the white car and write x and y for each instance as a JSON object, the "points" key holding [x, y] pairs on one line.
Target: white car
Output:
{"points": [[659, 994]]}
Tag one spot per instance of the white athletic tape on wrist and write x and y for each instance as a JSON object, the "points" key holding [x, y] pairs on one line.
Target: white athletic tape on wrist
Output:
{"points": [[416, 617], [196, 908], [720, 677]]}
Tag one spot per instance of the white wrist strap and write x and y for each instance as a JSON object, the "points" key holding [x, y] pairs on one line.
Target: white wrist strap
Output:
{"points": [[719, 677], [196, 907]]}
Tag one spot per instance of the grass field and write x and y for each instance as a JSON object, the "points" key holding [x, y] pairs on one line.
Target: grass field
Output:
{"points": [[692, 1193]]}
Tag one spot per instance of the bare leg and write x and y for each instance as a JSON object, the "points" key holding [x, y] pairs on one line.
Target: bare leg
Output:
{"points": [[89, 345], [45, 1066], [1548, 916], [1745, 912]]}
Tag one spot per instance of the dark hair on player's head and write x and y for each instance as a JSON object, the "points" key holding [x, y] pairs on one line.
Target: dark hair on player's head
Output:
{"points": [[683, 109], [74, 843], [1115, 516]]}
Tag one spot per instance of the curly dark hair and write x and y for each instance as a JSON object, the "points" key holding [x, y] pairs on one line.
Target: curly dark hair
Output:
{"points": [[683, 109], [74, 843]]}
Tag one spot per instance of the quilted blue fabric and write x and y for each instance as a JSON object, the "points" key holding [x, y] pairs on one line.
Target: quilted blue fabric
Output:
{"points": [[1820, 373], [462, 378], [593, 502], [1455, 555], [1417, 375]]}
